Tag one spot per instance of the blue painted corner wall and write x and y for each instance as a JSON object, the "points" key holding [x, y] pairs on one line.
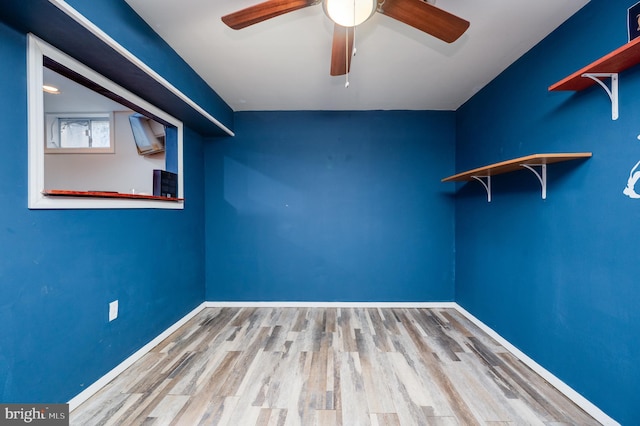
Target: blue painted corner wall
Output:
{"points": [[331, 206], [60, 269], [558, 277]]}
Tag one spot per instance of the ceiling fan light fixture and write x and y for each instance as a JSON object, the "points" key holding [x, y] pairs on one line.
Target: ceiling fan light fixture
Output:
{"points": [[349, 13]]}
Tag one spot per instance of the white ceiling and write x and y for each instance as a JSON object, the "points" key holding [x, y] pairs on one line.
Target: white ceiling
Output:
{"points": [[73, 97], [283, 63]]}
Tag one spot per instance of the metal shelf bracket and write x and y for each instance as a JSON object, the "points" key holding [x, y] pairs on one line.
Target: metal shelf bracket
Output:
{"points": [[542, 176], [486, 183], [612, 92]]}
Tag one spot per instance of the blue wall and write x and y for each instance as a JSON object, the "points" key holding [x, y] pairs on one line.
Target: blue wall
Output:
{"points": [[558, 278], [60, 269], [331, 206]]}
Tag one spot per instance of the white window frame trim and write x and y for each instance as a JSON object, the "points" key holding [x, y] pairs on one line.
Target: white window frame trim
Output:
{"points": [[36, 50]]}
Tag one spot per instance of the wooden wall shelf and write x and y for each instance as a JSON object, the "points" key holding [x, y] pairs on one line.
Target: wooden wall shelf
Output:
{"points": [[105, 194], [617, 61], [483, 174], [608, 66]]}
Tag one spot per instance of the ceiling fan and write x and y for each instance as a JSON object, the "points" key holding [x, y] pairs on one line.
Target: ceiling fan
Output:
{"points": [[416, 13]]}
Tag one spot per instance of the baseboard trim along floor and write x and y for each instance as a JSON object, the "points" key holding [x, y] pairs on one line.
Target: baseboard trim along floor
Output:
{"points": [[104, 380], [565, 389]]}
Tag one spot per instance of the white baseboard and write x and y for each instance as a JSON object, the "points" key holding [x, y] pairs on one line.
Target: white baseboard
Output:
{"points": [[568, 391], [104, 380], [432, 305]]}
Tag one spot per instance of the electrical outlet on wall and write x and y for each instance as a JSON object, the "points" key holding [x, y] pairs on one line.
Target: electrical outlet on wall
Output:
{"points": [[113, 310]]}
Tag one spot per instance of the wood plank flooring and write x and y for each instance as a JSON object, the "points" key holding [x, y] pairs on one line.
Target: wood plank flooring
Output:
{"points": [[329, 366]]}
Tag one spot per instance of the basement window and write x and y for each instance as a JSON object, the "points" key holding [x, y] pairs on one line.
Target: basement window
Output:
{"points": [[92, 115], [78, 133]]}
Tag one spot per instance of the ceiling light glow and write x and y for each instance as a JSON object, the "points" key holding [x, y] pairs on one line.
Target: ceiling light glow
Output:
{"points": [[50, 89]]}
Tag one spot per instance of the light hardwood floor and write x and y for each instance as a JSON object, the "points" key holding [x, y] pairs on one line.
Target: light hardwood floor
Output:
{"points": [[329, 366]]}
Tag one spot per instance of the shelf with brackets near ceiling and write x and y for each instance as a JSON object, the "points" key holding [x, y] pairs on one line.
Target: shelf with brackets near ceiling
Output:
{"points": [[606, 67], [530, 162]]}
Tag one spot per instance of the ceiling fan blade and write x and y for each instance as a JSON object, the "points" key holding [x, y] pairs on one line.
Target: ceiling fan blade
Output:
{"points": [[426, 17], [341, 50], [263, 11]]}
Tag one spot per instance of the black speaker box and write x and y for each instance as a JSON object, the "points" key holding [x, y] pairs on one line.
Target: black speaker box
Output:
{"points": [[165, 184]]}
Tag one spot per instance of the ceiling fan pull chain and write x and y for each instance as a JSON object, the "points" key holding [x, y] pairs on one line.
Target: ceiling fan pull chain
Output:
{"points": [[346, 62], [346, 50], [354, 29], [353, 53]]}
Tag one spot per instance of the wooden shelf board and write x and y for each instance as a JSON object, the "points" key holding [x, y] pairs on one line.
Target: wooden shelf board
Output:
{"points": [[617, 61], [105, 194], [515, 164]]}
